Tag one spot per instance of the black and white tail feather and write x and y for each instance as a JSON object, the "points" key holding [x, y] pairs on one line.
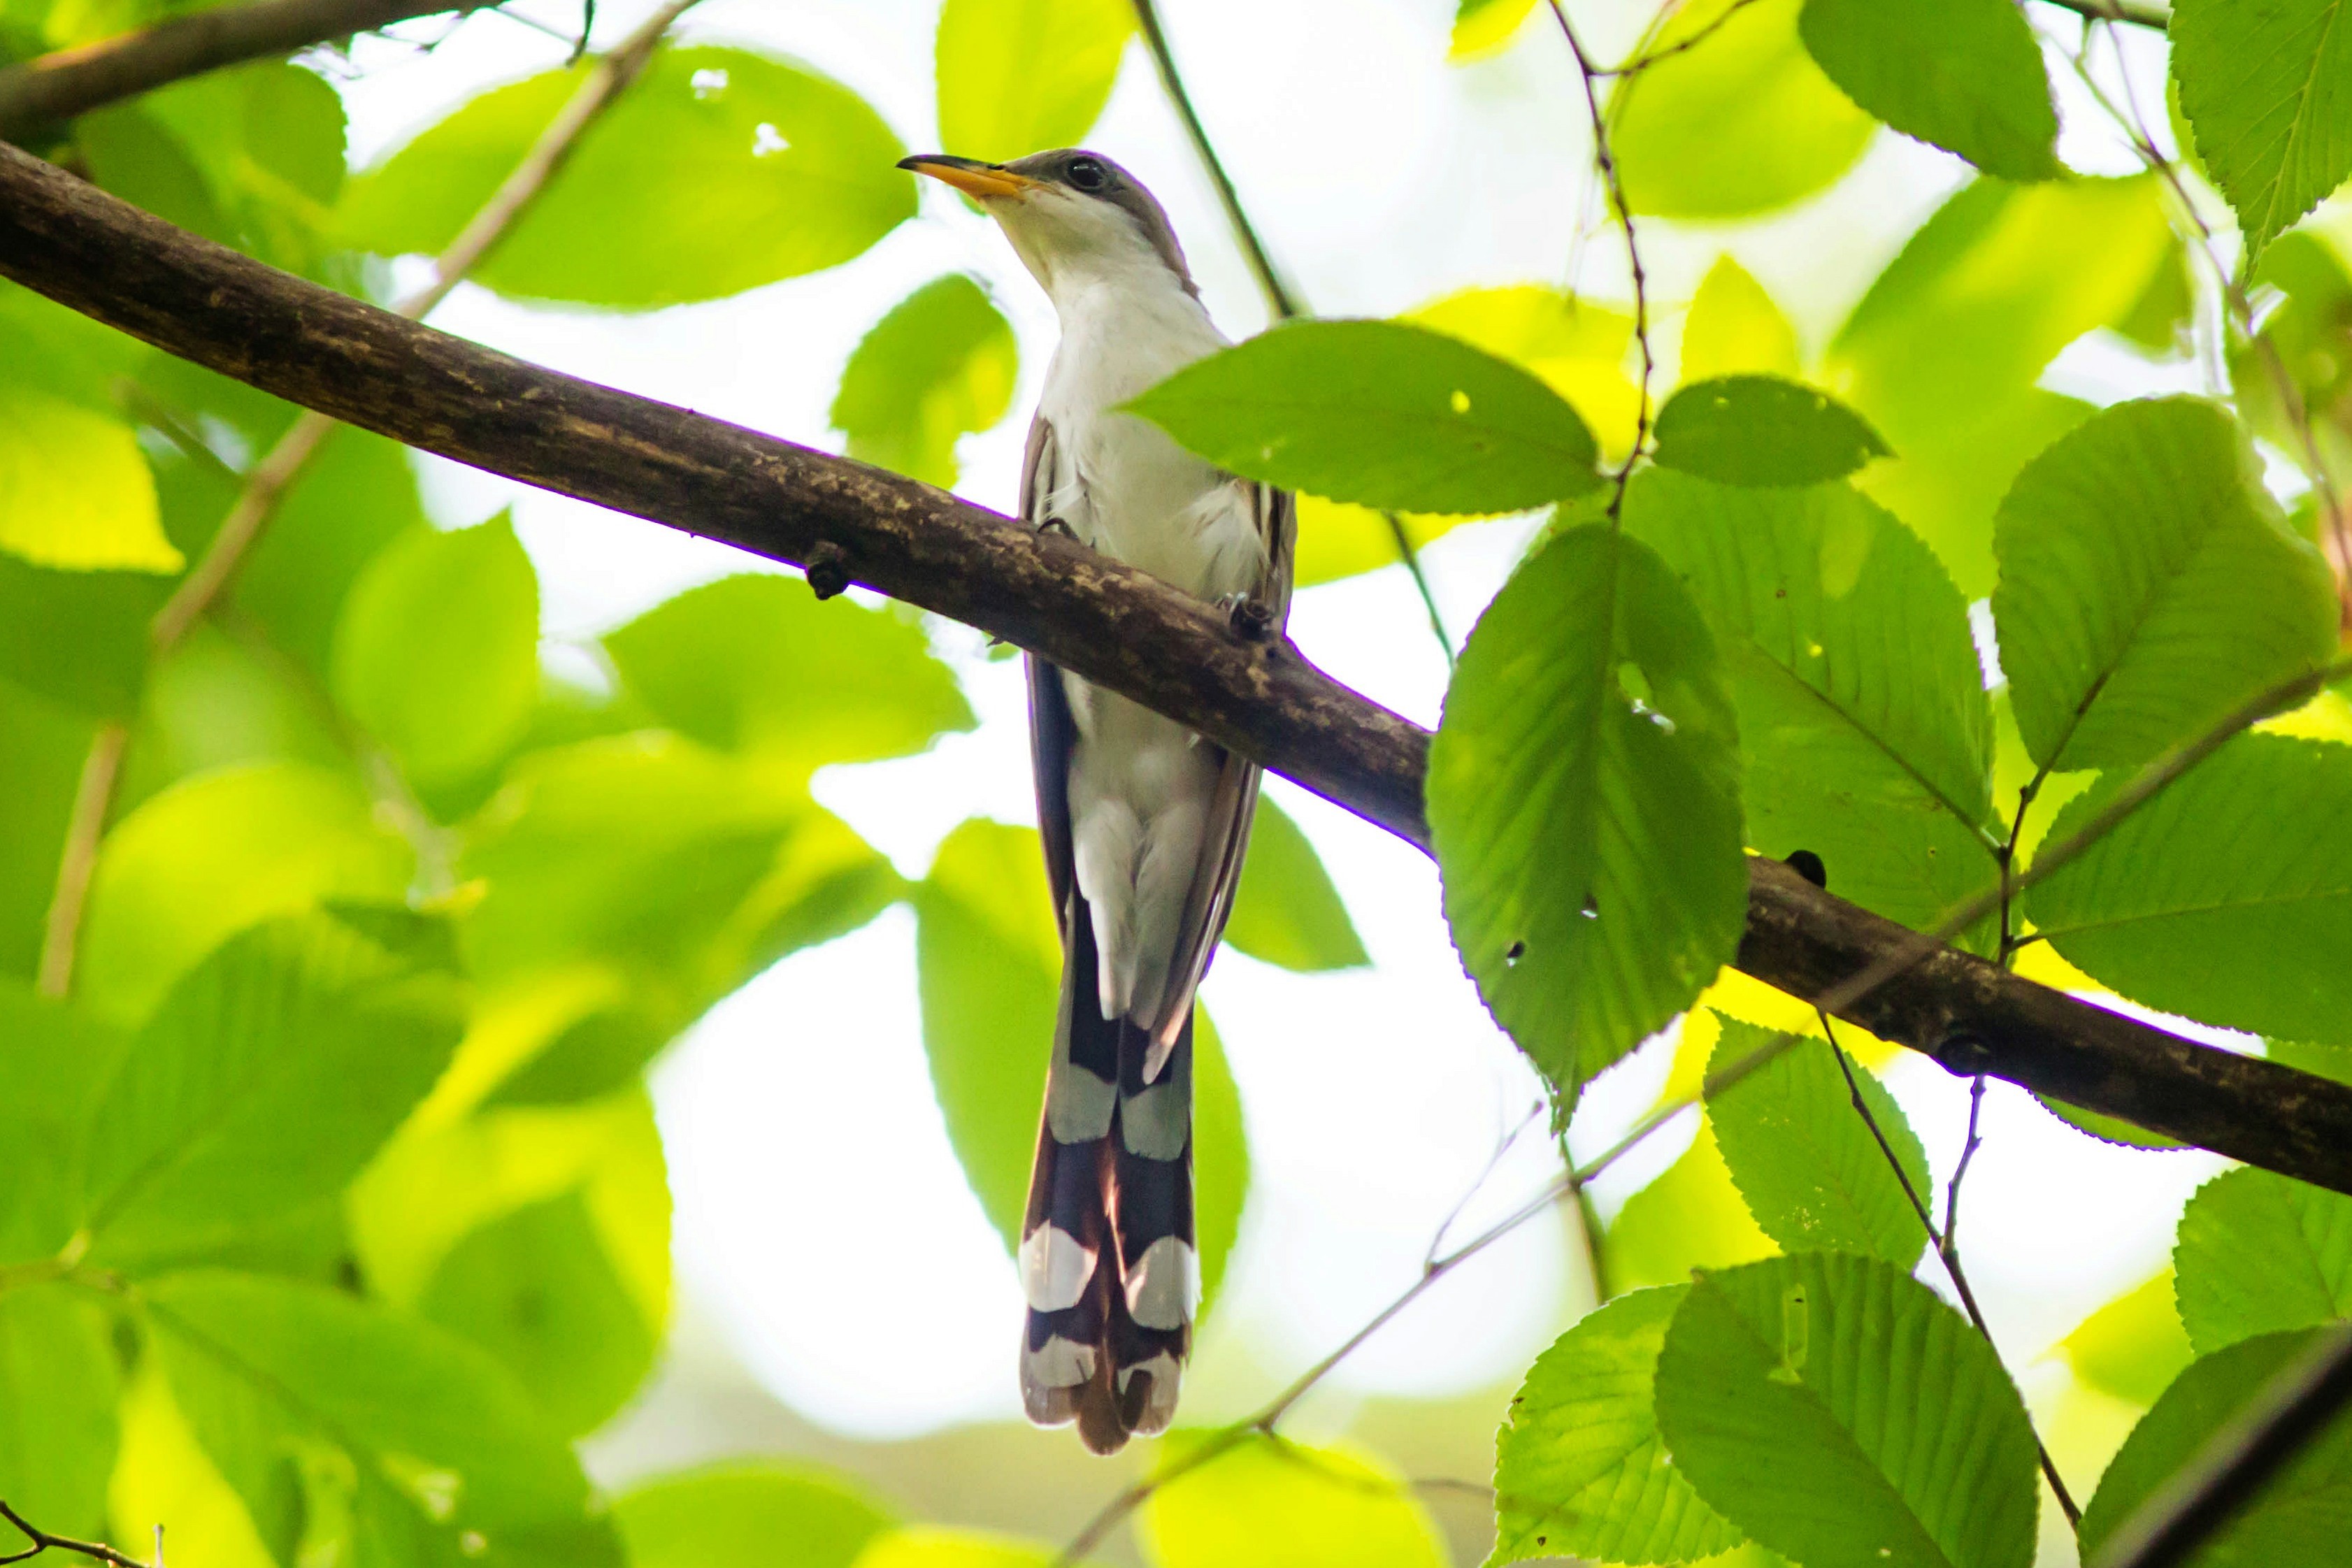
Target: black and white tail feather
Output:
{"points": [[1107, 1256]]}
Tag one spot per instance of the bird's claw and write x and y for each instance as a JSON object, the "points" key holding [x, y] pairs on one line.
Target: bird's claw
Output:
{"points": [[1056, 526], [1251, 618]]}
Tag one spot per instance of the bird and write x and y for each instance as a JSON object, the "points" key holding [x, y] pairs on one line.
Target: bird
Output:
{"points": [[1144, 823]]}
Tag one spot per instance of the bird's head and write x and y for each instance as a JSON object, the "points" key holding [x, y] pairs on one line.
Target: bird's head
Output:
{"points": [[1073, 216]]}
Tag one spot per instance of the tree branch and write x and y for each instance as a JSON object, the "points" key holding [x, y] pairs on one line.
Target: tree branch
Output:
{"points": [[2138, 12], [1112, 625], [57, 87]]}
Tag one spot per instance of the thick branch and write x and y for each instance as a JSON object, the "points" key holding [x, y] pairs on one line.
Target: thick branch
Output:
{"points": [[1114, 626], [73, 81]]}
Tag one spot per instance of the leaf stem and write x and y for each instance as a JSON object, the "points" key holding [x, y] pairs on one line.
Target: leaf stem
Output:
{"points": [[98, 1550]]}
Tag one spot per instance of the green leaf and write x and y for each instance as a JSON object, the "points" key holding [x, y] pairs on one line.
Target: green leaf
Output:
{"points": [[165, 1474], [58, 1392], [2297, 1517], [1579, 1468], [930, 1546], [535, 1289], [2302, 335], [689, 870], [1017, 77], [1964, 74], [2133, 1346], [1379, 412], [215, 853], [2149, 585], [268, 1078], [56, 1062], [989, 965], [1278, 1504], [1742, 123], [2227, 897], [42, 749], [440, 1458], [740, 1512], [1285, 911], [756, 665], [1583, 800], [719, 170], [75, 491], [2267, 87], [1691, 1217], [1943, 353], [1861, 706], [356, 499], [941, 365], [1762, 430], [1578, 348], [2259, 1253], [1483, 27], [591, 1056], [437, 652], [1801, 1154], [78, 638], [1735, 329], [1840, 1414]]}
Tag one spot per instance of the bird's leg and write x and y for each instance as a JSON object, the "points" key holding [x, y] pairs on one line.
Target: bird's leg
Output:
{"points": [[1252, 618], [1056, 526]]}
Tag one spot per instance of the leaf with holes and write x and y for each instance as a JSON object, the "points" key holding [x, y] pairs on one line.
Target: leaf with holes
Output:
{"points": [[1840, 1413], [2226, 898], [1584, 804], [2149, 585]]}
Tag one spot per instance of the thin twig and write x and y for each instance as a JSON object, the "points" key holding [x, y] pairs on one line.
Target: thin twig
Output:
{"points": [[1950, 1258], [1970, 1144], [1282, 301], [1606, 159], [2138, 13], [267, 483], [43, 1540], [1649, 58]]}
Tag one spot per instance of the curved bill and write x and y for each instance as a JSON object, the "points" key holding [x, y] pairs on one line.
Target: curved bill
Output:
{"points": [[973, 178]]}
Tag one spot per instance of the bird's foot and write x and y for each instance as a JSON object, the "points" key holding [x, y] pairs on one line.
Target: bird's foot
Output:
{"points": [[1251, 618], [1056, 526]]}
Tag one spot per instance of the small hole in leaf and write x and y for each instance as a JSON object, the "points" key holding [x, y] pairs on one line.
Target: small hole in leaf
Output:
{"points": [[767, 142], [707, 84], [1515, 952], [1592, 910]]}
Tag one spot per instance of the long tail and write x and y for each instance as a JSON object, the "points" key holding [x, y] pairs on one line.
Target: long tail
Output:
{"points": [[1106, 1249]]}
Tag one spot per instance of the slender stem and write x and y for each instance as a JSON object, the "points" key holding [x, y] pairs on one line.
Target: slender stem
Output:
{"points": [[84, 827], [1968, 1147], [1606, 159], [2138, 13], [1648, 58], [96, 1550], [266, 486], [2006, 856], [1282, 301], [1950, 1256]]}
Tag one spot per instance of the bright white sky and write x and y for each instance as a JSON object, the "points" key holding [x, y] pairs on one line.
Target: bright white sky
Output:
{"points": [[1382, 177]]}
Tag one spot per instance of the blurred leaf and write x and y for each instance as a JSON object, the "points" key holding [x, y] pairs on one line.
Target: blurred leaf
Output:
{"points": [[755, 663], [1274, 1503], [2107, 1129], [1733, 328], [78, 637], [989, 965], [2133, 1346], [55, 1061], [1799, 1153], [1575, 347], [1690, 1218], [2148, 586], [1942, 354], [1798, 1395], [2226, 898], [133, 154], [1336, 541], [745, 1512], [1583, 800], [42, 751], [1285, 911], [591, 1057], [941, 365], [1482, 28], [74, 490], [445, 1458], [2310, 331], [218, 853], [1017, 77], [2268, 90], [441, 1183], [718, 171], [215, 702], [1963, 75], [437, 651], [535, 1289], [268, 1078], [1861, 706], [1741, 123], [1381, 414], [690, 870], [1579, 1468], [58, 1392], [928, 1546], [56, 349], [2297, 1517], [1762, 430], [2164, 318], [165, 1474], [2258, 1253]]}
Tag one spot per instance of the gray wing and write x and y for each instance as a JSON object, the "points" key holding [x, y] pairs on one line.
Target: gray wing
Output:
{"points": [[1052, 733]]}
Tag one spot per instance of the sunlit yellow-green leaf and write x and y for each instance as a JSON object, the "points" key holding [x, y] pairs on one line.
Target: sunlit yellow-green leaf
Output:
{"points": [[739, 1513], [1689, 1218], [1017, 77], [2133, 1346], [1482, 28], [74, 489], [57, 1423], [1733, 328], [164, 1473], [1260, 1506], [941, 365], [1580, 348]]}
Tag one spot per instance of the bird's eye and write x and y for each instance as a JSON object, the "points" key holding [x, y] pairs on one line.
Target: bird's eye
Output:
{"points": [[1088, 174]]}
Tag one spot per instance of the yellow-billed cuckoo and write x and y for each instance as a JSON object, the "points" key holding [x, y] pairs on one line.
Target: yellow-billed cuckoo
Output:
{"points": [[1144, 822]]}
